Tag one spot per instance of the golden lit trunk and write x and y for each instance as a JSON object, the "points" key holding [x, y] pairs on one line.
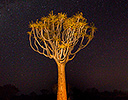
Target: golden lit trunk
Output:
{"points": [[61, 93]]}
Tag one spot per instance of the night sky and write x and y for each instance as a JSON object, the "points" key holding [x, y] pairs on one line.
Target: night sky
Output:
{"points": [[103, 64]]}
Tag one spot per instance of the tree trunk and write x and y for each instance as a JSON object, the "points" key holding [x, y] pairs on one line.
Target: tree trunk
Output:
{"points": [[61, 93]]}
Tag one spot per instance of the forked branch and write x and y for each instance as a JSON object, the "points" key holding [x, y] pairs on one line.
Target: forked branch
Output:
{"points": [[57, 36]]}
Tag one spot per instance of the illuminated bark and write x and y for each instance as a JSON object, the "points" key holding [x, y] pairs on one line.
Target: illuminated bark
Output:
{"points": [[61, 93]]}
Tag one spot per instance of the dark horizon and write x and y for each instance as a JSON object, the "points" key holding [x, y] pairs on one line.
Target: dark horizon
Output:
{"points": [[10, 92], [53, 90], [103, 64]]}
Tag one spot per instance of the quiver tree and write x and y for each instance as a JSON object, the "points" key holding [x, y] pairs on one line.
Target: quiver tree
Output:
{"points": [[60, 38]]}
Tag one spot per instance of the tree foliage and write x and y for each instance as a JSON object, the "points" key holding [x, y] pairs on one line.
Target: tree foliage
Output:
{"points": [[56, 36]]}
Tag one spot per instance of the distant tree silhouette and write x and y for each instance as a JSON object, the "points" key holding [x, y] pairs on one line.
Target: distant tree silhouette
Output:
{"points": [[7, 91], [44, 92], [60, 38], [92, 90], [1, 91], [33, 94]]}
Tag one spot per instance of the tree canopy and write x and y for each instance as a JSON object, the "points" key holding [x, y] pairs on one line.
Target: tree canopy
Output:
{"points": [[56, 36]]}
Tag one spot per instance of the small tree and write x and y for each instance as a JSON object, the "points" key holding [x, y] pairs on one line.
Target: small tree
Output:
{"points": [[60, 38], [8, 91]]}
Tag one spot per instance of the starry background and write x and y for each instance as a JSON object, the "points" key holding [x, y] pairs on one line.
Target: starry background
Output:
{"points": [[103, 64]]}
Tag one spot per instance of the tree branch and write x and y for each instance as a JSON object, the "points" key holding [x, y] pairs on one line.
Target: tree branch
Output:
{"points": [[57, 36]]}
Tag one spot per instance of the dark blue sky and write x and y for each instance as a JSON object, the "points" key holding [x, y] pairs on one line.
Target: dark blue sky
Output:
{"points": [[102, 64]]}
